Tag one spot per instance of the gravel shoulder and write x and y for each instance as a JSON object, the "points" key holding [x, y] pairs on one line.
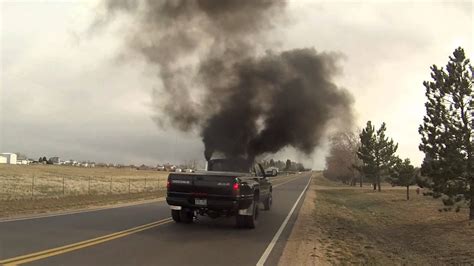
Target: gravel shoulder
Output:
{"points": [[302, 247]]}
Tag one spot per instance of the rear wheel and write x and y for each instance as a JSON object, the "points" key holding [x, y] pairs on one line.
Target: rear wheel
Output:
{"points": [[186, 216], [175, 214], [268, 202], [252, 220], [248, 221], [240, 221]]}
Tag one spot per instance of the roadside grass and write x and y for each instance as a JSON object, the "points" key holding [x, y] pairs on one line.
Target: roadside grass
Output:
{"points": [[54, 170], [357, 225], [28, 189], [44, 181]]}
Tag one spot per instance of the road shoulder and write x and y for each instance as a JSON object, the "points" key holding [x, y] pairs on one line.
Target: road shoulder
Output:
{"points": [[301, 247]]}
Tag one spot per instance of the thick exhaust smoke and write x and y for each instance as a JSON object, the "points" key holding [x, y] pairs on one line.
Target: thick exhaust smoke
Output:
{"points": [[216, 79]]}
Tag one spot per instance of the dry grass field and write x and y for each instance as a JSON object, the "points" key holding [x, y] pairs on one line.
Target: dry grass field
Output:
{"points": [[42, 181], [351, 225], [39, 188]]}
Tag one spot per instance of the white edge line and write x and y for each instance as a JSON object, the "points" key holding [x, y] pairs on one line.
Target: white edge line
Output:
{"points": [[270, 246], [46, 215]]}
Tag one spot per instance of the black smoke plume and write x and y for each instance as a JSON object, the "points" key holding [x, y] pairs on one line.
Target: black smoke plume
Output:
{"points": [[216, 78]]}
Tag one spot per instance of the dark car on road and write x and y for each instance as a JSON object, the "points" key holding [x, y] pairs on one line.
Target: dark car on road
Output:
{"points": [[229, 187]]}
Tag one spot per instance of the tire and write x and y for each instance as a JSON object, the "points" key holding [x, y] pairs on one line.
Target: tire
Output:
{"points": [[248, 221], [252, 221], [175, 214], [240, 221], [186, 216], [268, 202]]}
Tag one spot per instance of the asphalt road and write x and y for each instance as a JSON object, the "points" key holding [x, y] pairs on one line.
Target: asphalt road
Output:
{"points": [[144, 235]]}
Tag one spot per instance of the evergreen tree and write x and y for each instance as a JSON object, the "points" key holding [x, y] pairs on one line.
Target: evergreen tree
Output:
{"points": [[403, 174], [376, 151], [40, 160], [288, 165], [280, 165], [447, 132], [300, 167]]}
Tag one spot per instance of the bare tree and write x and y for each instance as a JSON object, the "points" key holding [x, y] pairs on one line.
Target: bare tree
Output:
{"points": [[342, 158]]}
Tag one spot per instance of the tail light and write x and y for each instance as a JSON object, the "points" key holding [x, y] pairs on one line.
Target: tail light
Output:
{"points": [[168, 184], [236, 186]]}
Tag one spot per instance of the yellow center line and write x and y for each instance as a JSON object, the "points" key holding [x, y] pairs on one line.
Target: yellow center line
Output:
{"points": [[87, 243]]}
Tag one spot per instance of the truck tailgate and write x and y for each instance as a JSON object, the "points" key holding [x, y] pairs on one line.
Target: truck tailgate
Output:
{"points": [[201, 184]]}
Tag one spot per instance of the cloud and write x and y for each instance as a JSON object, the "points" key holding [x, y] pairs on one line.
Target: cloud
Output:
{"points": [[68, 95]]}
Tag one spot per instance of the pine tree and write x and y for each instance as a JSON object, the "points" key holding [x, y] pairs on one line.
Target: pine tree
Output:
{"points": [[447, 132], [376, 152], [403, 174], [288, 165], [366, 154]]}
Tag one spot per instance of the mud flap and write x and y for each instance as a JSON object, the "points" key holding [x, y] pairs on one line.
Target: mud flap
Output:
{"points": [[248, 211]]}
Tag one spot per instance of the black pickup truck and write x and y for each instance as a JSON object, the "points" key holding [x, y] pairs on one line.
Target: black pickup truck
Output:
{"points": [[228, 188]]}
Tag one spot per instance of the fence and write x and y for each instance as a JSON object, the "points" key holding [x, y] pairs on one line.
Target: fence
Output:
{"points": [[23, 187]]}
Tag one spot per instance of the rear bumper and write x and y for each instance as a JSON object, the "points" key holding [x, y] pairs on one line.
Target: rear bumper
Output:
{"points": [[213, 203]]}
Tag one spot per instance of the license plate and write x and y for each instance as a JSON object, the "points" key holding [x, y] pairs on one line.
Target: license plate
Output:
{"points": [[202, 202]]}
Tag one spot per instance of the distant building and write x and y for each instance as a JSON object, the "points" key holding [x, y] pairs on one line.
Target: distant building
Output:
{"points": [[170, 168], [21, 159], [3, 159], [10, 157], [87, 164]]}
